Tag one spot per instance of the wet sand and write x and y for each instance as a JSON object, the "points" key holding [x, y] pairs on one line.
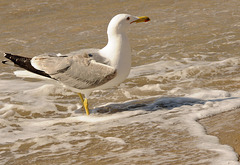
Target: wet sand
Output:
{"points": [[226, 127]]}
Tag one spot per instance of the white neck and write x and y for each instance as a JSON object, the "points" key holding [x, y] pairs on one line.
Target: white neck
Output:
{"points": [[118, 52]]}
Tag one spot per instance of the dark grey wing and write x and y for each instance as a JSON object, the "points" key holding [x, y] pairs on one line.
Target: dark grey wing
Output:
{"points": [[77, 71]]}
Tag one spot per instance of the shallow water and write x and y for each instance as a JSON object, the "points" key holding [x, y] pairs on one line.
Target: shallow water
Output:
{"points": [[185, 67]]}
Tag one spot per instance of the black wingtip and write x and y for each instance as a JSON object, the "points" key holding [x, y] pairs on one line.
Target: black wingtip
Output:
{"points": [[23, 62], [4, 62], [7, 55]]}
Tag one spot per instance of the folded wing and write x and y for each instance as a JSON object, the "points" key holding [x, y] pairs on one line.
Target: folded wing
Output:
{"points": [[77, 71]]}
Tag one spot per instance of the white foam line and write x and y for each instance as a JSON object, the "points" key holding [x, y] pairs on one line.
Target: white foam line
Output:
{"points": [[102, 118], [88, 119], [208, 142]]}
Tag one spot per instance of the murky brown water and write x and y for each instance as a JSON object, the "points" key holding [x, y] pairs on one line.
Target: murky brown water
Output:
{"points": [[185, 66]]}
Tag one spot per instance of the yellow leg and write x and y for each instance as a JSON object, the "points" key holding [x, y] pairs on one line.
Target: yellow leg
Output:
{"points": [[81, 97], [84, 102]]}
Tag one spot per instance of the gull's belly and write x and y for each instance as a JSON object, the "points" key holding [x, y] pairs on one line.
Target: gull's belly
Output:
{"points": [[122, 74]]}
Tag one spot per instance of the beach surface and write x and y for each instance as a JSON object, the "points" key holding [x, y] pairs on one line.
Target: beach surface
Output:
{"points": [[185, 67], [226, 127]]}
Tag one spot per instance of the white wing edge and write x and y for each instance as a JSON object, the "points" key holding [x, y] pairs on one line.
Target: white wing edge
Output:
{"points": [[27, 74]]}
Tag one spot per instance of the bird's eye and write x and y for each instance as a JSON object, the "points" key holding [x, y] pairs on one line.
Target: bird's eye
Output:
{"points": [[128, 18]]}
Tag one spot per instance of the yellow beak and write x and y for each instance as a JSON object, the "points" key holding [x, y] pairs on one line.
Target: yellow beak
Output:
{"points": [[142, 19]]}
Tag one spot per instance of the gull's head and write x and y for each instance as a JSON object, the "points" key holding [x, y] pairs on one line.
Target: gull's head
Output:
{"points": [[121, 22]]}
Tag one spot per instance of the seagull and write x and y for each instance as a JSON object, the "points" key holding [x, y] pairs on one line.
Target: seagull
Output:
{"points": [[90, 69]]}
